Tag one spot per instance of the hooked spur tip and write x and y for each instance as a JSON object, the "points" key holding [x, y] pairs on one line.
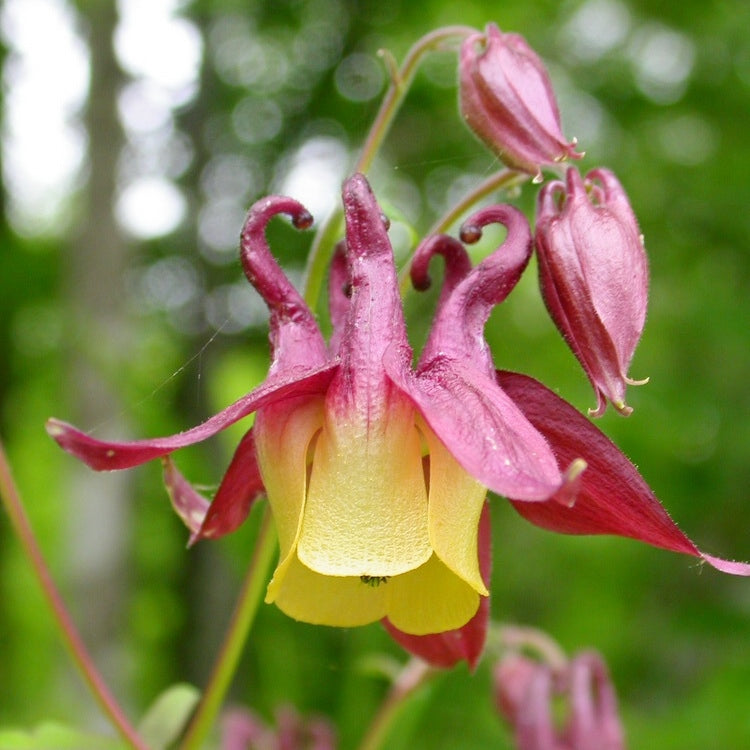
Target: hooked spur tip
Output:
{"points": [[421, 282], [470, 233], [302, 220]]}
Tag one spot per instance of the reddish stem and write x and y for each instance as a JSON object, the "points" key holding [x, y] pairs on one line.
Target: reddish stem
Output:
{"points": [[19, 520]]}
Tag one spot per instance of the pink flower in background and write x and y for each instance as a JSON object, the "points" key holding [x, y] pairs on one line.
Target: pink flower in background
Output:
{"points": [[507, 99], [245, 730], [593, 273], [528, 694]]}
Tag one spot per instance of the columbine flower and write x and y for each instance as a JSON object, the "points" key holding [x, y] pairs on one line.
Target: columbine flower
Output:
{"points": [[376, 476], [242, 729], [528, 692], [594, 277], [376, 473], [506, 98]]}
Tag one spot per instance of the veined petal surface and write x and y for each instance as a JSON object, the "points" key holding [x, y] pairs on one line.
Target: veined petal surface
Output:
{"points": [[283, 435], [366, 510]]}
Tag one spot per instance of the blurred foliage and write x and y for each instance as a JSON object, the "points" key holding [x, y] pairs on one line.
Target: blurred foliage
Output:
{"points": [[657, 91]]}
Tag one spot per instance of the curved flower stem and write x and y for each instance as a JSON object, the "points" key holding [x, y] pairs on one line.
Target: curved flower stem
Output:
{"points": [[234, 641], [11, 500], [320, 254], [503, 638], [413, 676], [401, 79], [505, 179], [400, 83], [517, 636]]}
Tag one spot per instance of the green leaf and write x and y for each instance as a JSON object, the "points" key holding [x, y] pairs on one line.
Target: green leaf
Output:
{"points": [[168, 715], [53, 736]]}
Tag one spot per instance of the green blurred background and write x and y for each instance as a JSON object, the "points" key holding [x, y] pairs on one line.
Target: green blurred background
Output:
{"points": [[127, 169]]}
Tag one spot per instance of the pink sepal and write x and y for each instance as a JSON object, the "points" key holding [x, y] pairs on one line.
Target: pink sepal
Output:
{"points": [[106, 456], [188, 504], [613, 498], [240, 487], [482, 427]]}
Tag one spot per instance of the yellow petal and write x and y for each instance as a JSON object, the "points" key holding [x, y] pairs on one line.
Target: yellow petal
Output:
{"points": [[339, 601], [455, 504], [430, 599], [283, 433], [366, 511]]}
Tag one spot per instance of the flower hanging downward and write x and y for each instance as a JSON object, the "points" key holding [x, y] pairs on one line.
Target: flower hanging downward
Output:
{"points": [[377, 473], [376, 477]]}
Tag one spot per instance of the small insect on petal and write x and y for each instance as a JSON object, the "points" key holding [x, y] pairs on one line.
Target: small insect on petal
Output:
{"points": [[374, 581]]}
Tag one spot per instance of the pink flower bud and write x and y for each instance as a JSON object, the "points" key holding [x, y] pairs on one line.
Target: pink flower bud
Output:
{"points": [[506, 98], [594, 277]]}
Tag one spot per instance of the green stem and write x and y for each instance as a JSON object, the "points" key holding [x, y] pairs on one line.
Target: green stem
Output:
{"points": [[516, 637], [234, 641], [399, 86], [505, 179], [22, 526], [413, 676], [325, 239], [320, 255]]}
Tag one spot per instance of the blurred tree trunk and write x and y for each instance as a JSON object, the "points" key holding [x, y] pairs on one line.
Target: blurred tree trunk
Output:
{"points": [[98, 252]]}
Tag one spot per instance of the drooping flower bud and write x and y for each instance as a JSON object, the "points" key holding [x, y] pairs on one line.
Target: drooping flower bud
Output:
{"points": [[506, 98], [593, 274]]}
